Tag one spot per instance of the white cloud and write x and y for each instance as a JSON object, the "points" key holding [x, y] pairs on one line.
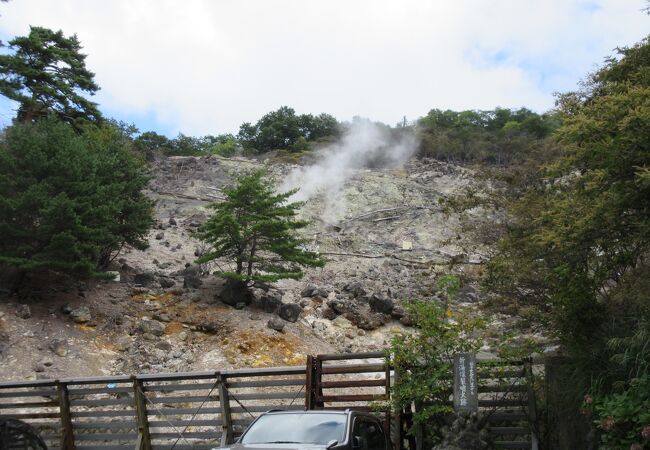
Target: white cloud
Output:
{"points": [[204, 66]]}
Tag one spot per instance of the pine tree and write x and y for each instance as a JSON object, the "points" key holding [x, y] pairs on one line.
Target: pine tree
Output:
{"points": [[68, 202], [256, 229], [47, 74]]}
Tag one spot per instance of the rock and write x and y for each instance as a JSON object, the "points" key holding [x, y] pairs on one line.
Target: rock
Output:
{"points": [[164, 345], [355, 288], [81, 315], [208, 326], [236, 292], [172, 221], [290, 312], [59, 347], [38, 367], [311, 290], [192, 277], [23, 312], [144, 279], [195, 224], [153, 327], [275, 323], [398, 312], [162, 317], [166, 283], [160, 236], [271, 301], [47, 362], [328, 313], [381, 303], [240, 305]]}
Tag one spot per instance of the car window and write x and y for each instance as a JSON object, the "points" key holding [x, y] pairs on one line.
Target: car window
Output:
{"points": [[299, 428], [368, 435]]}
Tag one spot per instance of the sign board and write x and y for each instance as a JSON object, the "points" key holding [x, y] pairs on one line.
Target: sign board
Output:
{"points": [[465, 384]]}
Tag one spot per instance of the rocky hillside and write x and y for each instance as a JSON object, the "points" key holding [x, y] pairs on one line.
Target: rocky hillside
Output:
{"points": [[163, 313]]}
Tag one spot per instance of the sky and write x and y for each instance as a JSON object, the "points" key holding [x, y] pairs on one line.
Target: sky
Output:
{"points": [[206, 66]]}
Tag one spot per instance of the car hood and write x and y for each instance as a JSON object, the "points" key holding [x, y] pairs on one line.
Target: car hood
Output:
{"points": [[272, 447]]}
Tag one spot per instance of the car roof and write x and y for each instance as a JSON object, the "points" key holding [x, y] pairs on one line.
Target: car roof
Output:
{"points": [[347, 412]]}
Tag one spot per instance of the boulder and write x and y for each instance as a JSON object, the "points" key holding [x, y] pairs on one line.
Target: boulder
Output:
{"points": [[271, 301], [192, 277], [59, 347], [23, 312], [152, 327], [160, 236], [164, 345], [236, 292], [290, 312], [81, 314], [166, 282], [355, 288], [275, 323], [144, 279], [381, 303]]}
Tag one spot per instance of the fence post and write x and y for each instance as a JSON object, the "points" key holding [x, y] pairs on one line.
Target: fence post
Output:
{"points": [[144, 438], [309, 383], [226, 417], [67, 434]]}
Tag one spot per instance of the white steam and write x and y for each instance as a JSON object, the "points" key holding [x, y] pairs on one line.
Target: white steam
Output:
{"points": [[364, 145]]}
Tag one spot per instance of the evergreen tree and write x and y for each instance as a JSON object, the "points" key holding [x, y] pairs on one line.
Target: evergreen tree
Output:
{"points": [[69, 202], [47, 74], [257, 230]]}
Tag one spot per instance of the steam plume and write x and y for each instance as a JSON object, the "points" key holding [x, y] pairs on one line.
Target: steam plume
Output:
{"points": [[364, 144]]}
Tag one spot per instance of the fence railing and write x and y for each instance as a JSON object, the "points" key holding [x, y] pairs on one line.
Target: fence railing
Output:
{"points": [[203, 410]]}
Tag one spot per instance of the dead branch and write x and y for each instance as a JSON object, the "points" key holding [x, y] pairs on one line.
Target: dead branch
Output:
{"points": [[356, 255], [386, 218]]}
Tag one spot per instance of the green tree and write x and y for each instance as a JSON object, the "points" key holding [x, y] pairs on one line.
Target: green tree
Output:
{"points": [[47, 74], [256, 229], [578, 244], [424, 361], [69, 202]]}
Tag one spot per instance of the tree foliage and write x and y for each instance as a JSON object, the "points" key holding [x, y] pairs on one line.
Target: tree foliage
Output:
{"points": [[500, 136], [68, 201], [424, 360], [256, 229], [578, 243], [283, 129], [47, 74]]}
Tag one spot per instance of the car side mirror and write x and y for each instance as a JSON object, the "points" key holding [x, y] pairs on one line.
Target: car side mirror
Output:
{"points": [[331, 444]]}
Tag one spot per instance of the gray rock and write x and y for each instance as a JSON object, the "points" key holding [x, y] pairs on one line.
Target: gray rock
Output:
{"points": [[47, 362], [311, 290], [172, 221], [59, 347], [236, 292], [160, 236], [164, 345], [153, 327], [275, 323], [144, 279], [271, 301], [38, 367], [290, 312], [166, 283], [66, 309], [355, 288], [192, 277], [381, 303], [23, 312], [81, 315], [162, 317]]}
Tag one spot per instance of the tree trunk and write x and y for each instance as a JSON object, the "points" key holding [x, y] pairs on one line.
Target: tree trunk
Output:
{"points": [[252, 255]]}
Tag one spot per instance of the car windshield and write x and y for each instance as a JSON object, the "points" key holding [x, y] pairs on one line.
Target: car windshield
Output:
{"points": [[298, 428]]}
